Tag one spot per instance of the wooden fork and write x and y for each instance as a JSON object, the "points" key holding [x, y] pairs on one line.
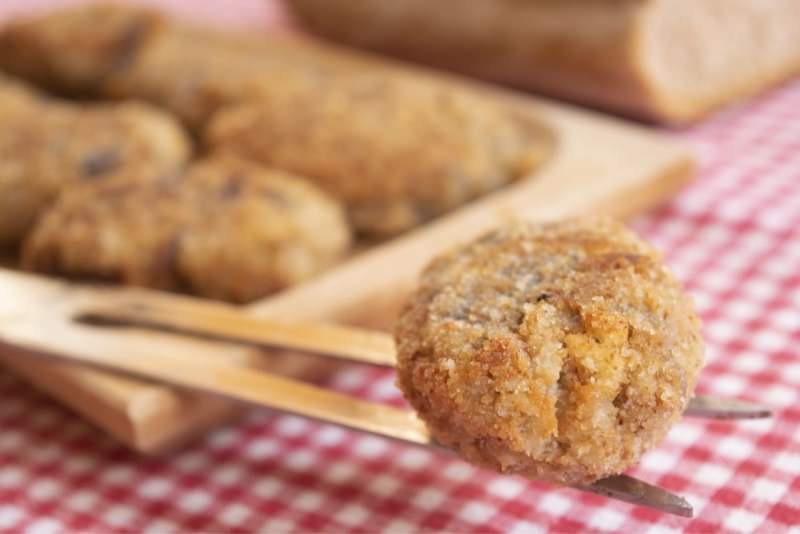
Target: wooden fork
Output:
{"points": [[42, 317]]}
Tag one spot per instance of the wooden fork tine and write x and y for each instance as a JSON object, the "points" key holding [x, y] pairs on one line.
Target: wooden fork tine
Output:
{"points": [[635, 491], [219, 321], [720, 408], [77, 343], [225, 322], [38, 318]]}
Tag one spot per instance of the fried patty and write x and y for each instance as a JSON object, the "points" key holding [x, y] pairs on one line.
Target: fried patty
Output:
{"points": [[125, 51], [396, 151], [48, 146], [194, 72], [75, 50], [225, 229], [560, 351]]}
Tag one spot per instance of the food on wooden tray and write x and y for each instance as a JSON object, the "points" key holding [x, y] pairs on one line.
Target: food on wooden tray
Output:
{"points": [[75, 50], [48, 146], [194, 72], [396, 150], [562, 351], [127, 52], [673, 60], [16, 96], [225, 229]]}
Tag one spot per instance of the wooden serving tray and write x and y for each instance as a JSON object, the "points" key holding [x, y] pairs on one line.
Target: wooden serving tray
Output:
{"points": [[599, 165]]}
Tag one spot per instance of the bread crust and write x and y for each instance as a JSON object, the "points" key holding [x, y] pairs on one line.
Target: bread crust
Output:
{"points": [[596, 52]]}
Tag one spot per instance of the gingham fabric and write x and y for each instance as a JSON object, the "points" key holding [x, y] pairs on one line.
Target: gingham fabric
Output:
{"points": [[733, 237]]}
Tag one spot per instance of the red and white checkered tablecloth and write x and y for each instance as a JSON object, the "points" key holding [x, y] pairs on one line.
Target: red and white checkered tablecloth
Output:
{"points": [[733, 237]]}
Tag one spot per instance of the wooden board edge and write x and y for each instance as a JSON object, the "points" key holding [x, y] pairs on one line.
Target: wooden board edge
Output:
{"points": [[56, 380]]}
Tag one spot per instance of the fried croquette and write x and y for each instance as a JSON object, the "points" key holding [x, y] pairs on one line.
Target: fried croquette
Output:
{"points": [[75, 50], [396, 151], [224, 229], [48, 146], [194, 72], [112, 50], [560, 352]]}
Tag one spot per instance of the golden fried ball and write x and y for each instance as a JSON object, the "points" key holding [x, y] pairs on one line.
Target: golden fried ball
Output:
{"points": [[125, 51], [225, 229], [48, 146], [194, 72], [560, 352], [74, 50]]}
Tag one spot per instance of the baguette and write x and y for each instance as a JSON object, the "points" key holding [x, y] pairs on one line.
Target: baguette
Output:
{"points": [[667, 60]]}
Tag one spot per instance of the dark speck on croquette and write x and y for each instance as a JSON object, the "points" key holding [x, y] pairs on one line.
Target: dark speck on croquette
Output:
{"points": [[48, 146], [216, 231]]}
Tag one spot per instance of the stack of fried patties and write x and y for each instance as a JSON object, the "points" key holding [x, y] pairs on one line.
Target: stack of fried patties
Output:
{"points": [[244, 167]]}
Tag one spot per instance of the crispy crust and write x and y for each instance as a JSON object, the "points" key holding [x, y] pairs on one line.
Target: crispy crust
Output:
{"points": [[122, 51], [194, 72], [48, 146], [74, 50], [397, 151], [225, 229], [561, 352]]}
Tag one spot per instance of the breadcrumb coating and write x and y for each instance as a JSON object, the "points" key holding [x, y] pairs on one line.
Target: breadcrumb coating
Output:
{"points": [[561, 351], [48, 146], [123, 51], [74, 50], [194, 72], [224, 229], [396, 151]]}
